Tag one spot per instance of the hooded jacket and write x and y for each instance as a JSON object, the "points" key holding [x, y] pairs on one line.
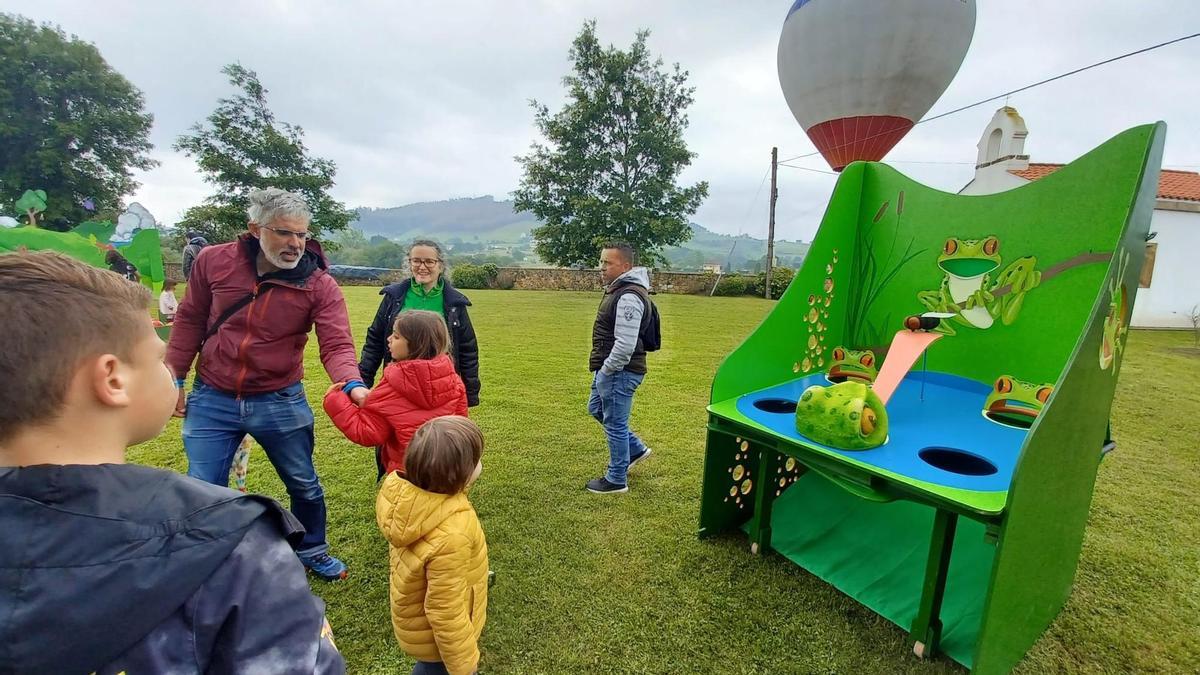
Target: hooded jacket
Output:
{"points": [[260, 348], [620, 320], [411, 393], [117, 567], [464, 349], [439, 564], [190, 252]]}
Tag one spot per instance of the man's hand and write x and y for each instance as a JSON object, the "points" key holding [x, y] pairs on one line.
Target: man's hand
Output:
{"points": [[181, 404], [359, 396]]}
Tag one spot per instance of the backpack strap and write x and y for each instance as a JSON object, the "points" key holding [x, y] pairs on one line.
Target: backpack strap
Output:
{"points": [[231, 310]]}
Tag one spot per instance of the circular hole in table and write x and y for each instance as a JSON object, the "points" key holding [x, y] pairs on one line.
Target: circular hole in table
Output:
{"points": [[957, 461], [776, 405]]}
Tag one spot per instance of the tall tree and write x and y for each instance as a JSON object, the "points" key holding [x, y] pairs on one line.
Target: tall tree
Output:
{"points": [[241, 148], [69, 124], [614, 154]]}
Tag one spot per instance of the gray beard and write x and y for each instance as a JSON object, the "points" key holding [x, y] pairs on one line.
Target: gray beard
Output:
{"points": [[278, 261]]}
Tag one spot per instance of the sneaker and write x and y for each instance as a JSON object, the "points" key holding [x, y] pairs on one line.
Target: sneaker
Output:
{"points": [[637, 458], [325, 566], [601, 486]]}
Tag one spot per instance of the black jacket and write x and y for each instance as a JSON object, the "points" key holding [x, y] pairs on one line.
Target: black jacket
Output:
{"points": [[464, 349], [117, 567], [189, 254]]}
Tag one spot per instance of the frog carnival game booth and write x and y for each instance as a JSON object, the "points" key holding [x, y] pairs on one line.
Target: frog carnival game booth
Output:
{"points": [[920, 419]]}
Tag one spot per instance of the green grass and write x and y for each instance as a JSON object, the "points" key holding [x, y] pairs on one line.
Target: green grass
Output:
{"points": [[589, 583]]}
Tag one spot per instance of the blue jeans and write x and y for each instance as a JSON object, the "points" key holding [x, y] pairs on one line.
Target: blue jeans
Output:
{"points": [[282, 423], [430, 668], [610, 403]]}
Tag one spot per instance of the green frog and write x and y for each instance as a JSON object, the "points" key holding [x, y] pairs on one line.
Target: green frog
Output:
{"points": [[1016, 402], [1112, 338], [852, 364], [968, 291], [847, 416]]}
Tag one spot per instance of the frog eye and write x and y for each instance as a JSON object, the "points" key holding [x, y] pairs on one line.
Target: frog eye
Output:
{"points": [[839, 354], [867, 424], [950, 247], [1004, 385], [867, 359], [991, 245], [1043, 394]]}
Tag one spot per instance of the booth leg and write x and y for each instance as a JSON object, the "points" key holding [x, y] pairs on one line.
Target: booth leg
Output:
{"points": [[760, 527], [927, 628]]}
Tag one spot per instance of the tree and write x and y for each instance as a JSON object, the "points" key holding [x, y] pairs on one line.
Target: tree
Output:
{"points": [[241, 148], [615, 152], [69, 124]]}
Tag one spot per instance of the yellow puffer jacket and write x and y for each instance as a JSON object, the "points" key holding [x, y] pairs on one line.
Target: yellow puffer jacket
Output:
{"points": [[439, 570]]}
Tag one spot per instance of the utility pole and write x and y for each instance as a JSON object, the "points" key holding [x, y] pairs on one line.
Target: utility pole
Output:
{"points": [[771, 222]]}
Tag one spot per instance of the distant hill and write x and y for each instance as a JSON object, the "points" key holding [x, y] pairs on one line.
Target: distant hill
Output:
{"points": [[485, 220], [480, 219]]}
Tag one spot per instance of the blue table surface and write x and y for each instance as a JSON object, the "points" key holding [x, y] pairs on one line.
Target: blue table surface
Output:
{"points": [[929, 409]]}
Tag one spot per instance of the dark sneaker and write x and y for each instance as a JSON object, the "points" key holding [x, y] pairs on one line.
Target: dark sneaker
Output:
{"points": [[601, 486], [325, 566], [637, 458]]}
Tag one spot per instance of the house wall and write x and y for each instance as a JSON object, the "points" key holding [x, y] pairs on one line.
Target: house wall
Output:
{"points": [[1175, 284]]}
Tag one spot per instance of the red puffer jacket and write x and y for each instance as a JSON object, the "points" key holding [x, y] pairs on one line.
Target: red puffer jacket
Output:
{"points": [[412, 392], [260, 349]]}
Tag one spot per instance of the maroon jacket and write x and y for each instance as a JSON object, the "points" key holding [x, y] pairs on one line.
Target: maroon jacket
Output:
{"points": [[260, 349]]}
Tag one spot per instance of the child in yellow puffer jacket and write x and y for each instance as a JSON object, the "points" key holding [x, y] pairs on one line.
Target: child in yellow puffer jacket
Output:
{"points": [[439, 562]]}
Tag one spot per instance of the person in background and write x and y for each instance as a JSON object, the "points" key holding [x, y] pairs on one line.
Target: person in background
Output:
{"points": [[167, 304], [196, 242]]}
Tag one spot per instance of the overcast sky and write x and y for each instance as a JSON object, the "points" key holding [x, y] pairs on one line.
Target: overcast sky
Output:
{"points": [[423, 101]]}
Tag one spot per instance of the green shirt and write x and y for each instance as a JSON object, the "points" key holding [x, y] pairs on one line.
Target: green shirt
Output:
{"points": [[419, 298]]}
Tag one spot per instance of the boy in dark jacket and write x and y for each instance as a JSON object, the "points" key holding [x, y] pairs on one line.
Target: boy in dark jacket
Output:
{"points": [[108, 567]]}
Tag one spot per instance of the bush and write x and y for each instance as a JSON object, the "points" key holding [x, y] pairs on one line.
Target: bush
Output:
{"points": [[781, 278], [467, 275], [733, 284]]}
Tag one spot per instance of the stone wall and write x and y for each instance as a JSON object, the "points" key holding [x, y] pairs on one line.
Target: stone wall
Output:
{"points": [[558, 279], [545, 279]]}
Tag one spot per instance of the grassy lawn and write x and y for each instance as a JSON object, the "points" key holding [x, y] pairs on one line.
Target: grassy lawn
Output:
{"points": [[589, 583]]}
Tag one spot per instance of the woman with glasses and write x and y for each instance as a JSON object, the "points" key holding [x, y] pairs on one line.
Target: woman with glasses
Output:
{"points": [[428, 287]]}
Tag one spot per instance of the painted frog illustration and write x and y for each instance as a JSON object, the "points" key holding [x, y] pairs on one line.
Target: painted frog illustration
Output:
{"points": [[968, 290], [1112, 339], [847, 416], [852, 364], [1016, 402]]}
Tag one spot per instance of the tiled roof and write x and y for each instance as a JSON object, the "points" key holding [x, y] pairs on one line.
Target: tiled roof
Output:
{"points": [[1172, 184]]}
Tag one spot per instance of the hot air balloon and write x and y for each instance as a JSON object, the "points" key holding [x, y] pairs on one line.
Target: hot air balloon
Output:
{"points": [[858, 74]]}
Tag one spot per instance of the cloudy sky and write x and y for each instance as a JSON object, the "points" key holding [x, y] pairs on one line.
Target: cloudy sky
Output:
{"points": [[423, 101]]}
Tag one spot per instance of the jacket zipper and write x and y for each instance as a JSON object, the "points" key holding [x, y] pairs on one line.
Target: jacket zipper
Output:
{"points": [[241, 378]]}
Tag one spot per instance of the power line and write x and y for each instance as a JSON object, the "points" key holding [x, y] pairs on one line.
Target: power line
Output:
{"points": [[1009, 93], [805, 168]]}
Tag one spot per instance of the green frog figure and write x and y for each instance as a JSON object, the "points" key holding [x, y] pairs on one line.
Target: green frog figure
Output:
{"points": [[1016, 402], [846, 416], [968, 290], [852, 364]]}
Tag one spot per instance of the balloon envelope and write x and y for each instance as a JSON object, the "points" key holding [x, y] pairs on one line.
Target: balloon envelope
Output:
{"points": [[858, 74]]}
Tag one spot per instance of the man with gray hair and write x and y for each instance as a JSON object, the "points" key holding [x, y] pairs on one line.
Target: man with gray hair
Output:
{"points": [[249, 307]]}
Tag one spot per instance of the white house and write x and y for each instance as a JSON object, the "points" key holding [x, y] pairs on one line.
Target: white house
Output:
{"points": [[1170, 284]]}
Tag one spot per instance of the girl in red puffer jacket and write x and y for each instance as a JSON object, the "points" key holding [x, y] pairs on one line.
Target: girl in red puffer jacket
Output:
{"points": [[419, 385]]}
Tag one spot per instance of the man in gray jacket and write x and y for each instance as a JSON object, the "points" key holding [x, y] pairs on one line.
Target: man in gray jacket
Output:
{"points": [[618, 361]]}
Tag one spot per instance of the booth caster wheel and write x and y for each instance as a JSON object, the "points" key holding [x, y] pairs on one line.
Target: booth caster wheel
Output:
{"points": [[754, 548], [919, 650]]}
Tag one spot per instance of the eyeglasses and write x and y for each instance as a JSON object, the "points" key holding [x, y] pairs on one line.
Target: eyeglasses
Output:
{"points": [[287, 234], [427, 263]]}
